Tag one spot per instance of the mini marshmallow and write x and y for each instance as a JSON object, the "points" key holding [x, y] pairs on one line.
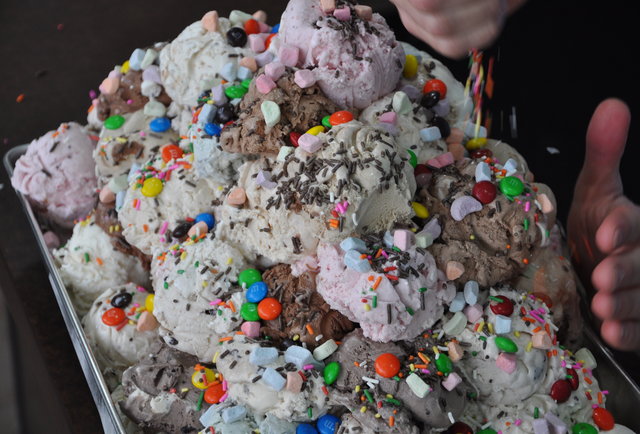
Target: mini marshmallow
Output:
{"points": [[473, 313], [294, 382], [541, 340], [455, 351], [458, 303], [238, 18], [262, 356], [454, 269], [456, 324], [506, 362], [403, 239], [451, 381], [417, 385], [471, 291], [325, 350], [441, 160], [483, 172], [271, 113], [352, 243], [147, 322], [251, 329], [328, 6], [249, 63], [556, 425], [210, 21], [263, 58], [430, 134], [218, 95], [309, 143], [540, 426], [257, 43], [273, 379], [284, 152], [234, 414], [152, 73], [265, 84], [274, 70], [502, 325], [470, 130], [343, 13], [150, 56], [463, 206], [289, 55], [511, 166], [263, 179], [109, 85], [118, 183], [389, 118], [154, 108], [401, 103], [135, 61], [442, 108], [244, 73], [300, 357], [353, 261], [229, 71], [150, 89], [304, 78], [106, 195], [364, 12]]}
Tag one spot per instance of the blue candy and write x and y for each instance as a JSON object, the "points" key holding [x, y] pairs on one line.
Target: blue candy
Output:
{"points": [[257, 291], [276, 28], [160, 125], [327, 424], [306, 428], [212, 129], [208, 218]]}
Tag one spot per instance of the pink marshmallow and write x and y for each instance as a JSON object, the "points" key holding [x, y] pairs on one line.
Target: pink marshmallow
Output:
{"points": [[109, 85], [451, 381], [251, 329], [265, 84], [210, 21], [541, 340], [364, 12], [343, 14], [328, 6], [403, 239], [289, 55], [304, 78], [309, 143], [294, 382], [455, 351], [473, 313], [274, 70], [106, 195], [441, 160], [198, 229], [389, 118], [256, 42], [147, 322], [249, 63], [506, 362], [264, 27], [260, 16], [237, 197]]}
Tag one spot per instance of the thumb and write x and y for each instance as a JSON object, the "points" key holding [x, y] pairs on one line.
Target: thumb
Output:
{"points": [[606, 139]]}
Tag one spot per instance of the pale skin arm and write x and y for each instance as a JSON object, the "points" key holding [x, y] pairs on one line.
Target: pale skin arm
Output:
{"points": [[454, 27]]}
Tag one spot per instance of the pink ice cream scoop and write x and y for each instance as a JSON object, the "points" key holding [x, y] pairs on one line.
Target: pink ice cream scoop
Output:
{"points": [[355, 57], [396, 304], [57, 173]]}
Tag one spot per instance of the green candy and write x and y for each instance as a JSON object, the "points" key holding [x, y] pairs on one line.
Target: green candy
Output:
{"points": [[584, 428], [413, 159], [511, 186], [248, 277], [249, 311], [246, 83], [444, 364], [330, 373], [326, 123], [234, 92], [487, 431], [506, 345], [114, 122]]}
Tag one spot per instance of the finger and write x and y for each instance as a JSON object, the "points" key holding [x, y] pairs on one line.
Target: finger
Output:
{"points": [[617, 272], [606, 139], [623, 335], [619, 228], [621, 305]]}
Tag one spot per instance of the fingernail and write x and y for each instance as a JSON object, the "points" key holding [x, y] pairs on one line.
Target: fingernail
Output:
{"points": [[617, 238]]}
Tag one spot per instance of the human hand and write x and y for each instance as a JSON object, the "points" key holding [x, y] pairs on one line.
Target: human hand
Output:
{"points": [[455, 27], [604, 228]]}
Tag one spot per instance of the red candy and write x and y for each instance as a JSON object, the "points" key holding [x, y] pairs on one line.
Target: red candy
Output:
{"points": [[213, 394], [544, 298], [293, 137], [435, 85], [573, 381], [269, 309], [560, 391], [267, 41], [387, 365], [482, 153], [603, 419], [505, 308], [459, 428], [251, 27], [114, 316], [484, 191], [171, 152], [341, 117]]}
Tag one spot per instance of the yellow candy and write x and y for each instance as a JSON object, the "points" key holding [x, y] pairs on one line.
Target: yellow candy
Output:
{"points": [[477, 143], [148, 302], [198, 378], [152, 187], [316, 130], [125, 67], [420, 210], [410, 66]]}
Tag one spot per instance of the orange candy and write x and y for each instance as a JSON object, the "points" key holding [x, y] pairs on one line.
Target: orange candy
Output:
{"points": [[267, 41], [251, 27], [269, 309], [114, 316], [387, 365], [213, 394], [341, 117], [603, 419], [171, 152], [435, 85]]}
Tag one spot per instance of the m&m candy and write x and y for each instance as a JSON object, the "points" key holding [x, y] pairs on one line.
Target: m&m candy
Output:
{"points": [[511, 186], [387, 365], [171, 152], [484, 191], [603, 419], [213, 393], [160, 125], [206, 218], [151, 187], [435, 85], [114, 122], [114, 316], [236, 37], [269, 309], [121, 300], [560, 391], [341, 117], [501, 305], [330, 373], [249, 312], [257, 292], [248, 277]]}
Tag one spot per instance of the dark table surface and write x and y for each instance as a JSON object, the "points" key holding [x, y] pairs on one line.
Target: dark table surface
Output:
{"points": [[556, 61]]}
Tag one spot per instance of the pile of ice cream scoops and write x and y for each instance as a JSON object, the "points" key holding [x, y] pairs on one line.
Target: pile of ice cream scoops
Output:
{"points": [[298, 229]]}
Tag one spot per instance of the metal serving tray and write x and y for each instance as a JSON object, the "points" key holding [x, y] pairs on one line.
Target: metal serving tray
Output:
{"points": [[624, 401], [111, 422]]}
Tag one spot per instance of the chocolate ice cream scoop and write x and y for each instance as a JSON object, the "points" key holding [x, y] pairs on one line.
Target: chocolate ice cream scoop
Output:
{"points": [[159, 393], [128, 98], [305, 313], [300, 109], [490, 242]]}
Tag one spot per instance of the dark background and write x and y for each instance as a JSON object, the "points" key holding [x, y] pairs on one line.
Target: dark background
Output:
{"points": [[557, 61]]}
